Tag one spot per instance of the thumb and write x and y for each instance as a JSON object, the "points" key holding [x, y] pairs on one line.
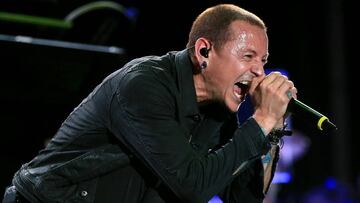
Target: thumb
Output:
{"points": [[255, 83]]}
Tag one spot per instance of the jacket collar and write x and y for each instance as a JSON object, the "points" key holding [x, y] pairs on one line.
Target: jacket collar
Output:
{"points": [[184, 68]]}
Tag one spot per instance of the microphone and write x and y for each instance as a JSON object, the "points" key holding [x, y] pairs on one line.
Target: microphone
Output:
{"points": [[310, 115]]}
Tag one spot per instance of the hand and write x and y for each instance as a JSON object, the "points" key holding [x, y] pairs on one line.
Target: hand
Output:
{"points": [[270, 99]]}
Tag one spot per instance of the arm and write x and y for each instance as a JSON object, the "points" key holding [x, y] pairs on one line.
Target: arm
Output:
{"points": [[252, 185], [270, 102], [270, 167]]}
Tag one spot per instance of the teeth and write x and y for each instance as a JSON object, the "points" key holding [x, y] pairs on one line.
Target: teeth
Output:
{"points": [[245, 82]]}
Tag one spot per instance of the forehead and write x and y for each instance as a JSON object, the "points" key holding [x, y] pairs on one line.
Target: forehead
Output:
{"points": [[243, 33]]}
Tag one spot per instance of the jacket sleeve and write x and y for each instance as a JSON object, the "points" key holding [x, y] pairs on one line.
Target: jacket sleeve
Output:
{"points": [[143, 116], [247, 187]]}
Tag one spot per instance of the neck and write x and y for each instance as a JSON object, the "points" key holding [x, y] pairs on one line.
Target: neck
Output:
{"points": [[200, 88]]}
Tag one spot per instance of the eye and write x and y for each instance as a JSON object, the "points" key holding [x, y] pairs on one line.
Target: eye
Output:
{"points": [[248, 56], [264, 61]]}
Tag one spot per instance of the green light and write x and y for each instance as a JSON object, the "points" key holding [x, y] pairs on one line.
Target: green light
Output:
{"points": [[35, 20]]}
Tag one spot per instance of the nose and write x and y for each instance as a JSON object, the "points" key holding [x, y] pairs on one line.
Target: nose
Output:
{"points": [[258, 69]]}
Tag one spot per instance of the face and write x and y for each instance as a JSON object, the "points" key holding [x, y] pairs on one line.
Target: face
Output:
{"points": [[232, 68]]}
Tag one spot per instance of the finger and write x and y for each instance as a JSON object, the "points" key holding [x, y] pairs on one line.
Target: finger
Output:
{"points": [[286, 89], [270, 78], [279, 82], [255, 82], [293, 91]]}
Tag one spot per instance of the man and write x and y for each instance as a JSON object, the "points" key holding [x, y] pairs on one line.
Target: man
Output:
{"points": [[164, 128]]}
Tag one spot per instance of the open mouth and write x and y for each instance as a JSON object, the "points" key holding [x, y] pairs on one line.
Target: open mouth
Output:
{"points": [[241, 89]]}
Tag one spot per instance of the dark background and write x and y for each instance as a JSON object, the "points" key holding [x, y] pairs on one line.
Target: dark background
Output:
{"points": [[314, 41]]}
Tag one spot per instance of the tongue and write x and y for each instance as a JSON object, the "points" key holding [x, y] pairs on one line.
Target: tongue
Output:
{"points": [[237, 89]]}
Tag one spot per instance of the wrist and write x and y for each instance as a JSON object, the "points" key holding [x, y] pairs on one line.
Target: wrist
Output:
{"points": [[277, 133], [281, 124], [266, 123]]}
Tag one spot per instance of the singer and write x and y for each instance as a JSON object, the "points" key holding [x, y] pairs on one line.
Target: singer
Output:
{"points": [[164, 128]]}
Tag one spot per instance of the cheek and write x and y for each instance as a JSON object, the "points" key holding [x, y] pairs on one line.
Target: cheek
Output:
{"points": [[227, 71], [234, 71], [227, 77]]}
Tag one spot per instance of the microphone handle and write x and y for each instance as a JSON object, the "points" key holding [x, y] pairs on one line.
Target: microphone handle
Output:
{"points": [[308, 114]]}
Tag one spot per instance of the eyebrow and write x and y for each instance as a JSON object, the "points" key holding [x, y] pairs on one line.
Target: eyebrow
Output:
{"points": [[254, 52]]}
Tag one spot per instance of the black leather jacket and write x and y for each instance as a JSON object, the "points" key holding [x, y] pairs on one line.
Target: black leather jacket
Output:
{"points": [[143, 137]]}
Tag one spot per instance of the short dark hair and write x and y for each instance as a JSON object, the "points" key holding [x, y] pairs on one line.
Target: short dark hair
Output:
{"points": [[214, 22]]}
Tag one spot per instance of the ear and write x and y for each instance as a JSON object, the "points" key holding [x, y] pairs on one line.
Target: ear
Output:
{"points": [[202, 47]]}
